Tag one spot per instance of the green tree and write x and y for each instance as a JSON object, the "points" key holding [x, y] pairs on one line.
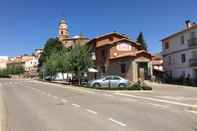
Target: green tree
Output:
{"points": [[80, 60], [140, 40], [51, 46], [15, 70], [58, 63]]}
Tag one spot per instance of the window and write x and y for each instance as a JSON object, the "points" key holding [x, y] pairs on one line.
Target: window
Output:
{"points": [[166, 45], [103, 54], [103, 69], [62, 32], [123, 68], [169, 60], [193, 34], [182, 40], [108, 78], [116, 78], [183, 58]]}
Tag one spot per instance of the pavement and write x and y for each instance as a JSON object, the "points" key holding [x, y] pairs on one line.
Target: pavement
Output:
{"points": [[2, 111], [38, 106]]}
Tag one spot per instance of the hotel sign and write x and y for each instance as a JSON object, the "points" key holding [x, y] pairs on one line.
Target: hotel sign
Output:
{"points": [[124, 47]]}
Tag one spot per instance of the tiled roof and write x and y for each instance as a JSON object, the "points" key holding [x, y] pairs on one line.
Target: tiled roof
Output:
{"points": [[132, 54]]}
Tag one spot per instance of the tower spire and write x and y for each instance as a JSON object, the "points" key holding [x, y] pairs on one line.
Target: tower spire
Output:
{"points": [[63, 29]]}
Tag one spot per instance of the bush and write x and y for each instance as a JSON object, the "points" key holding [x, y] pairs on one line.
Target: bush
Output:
{"points": [[135, 86], [145, 87]]}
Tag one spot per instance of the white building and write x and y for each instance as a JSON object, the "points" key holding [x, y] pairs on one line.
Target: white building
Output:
{"points": [[3, 62], [179, 52]]}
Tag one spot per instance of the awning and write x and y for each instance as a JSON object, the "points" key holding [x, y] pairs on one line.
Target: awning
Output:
{"points": [[92, 70]]}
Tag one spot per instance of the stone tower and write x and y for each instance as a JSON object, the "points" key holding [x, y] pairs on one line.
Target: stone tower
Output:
{"points": [[63, 30]]}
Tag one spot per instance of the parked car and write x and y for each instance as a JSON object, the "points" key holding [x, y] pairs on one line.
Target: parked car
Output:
{"points": [[109, 81]]}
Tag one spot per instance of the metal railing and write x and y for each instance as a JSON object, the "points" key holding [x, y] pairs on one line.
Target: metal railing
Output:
{"points": [[193, 62], [192, 42]]}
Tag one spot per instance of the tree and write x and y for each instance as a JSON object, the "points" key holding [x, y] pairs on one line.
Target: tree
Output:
{"points": [[58, 63], [15, 70], [80, 60], [51, 46], [140, 40]]}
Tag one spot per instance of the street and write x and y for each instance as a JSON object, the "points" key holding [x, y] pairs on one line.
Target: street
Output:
{"points": [[37, 106]]}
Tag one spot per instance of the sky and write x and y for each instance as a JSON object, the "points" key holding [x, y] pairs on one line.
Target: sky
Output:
{"points": [[26, 25]]}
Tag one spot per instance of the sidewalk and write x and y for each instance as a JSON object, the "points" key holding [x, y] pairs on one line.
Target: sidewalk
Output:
{"points": [[163, 85], [2, 112]]}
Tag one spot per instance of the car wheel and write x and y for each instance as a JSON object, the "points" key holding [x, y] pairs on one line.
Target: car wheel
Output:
{"points": [[122, 85], [96, 85]]}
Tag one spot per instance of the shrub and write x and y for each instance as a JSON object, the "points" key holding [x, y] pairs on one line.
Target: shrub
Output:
{"points": [[135, 86], [145, 87]]}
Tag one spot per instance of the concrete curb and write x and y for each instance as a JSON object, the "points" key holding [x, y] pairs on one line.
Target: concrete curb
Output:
{"points": [[2, 112], [169, 85]]}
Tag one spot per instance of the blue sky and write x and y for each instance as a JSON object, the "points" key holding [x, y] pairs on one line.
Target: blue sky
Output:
{"points": [[26, 24]]}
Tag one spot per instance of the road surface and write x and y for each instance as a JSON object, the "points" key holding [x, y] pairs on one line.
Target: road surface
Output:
{"points": [[38, 106]]}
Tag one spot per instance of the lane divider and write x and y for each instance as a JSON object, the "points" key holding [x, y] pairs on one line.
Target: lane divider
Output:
{"points": [[91, 111], [75, 105], [117, 122]]}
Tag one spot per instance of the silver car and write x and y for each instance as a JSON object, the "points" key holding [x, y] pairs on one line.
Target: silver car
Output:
{"points": [[109, 81]]}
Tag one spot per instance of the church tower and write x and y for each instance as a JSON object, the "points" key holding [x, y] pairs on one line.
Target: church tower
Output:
{"points": [[63, 30]]}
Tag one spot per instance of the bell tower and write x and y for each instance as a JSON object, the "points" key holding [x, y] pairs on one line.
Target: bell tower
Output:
{"points": [[63, 29]]}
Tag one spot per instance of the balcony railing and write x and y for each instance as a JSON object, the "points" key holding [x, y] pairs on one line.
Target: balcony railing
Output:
{"points": [[192, 42], [193, 62]]}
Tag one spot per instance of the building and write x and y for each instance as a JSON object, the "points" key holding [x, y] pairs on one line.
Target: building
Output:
{"points": [[179, 52], [66, 39], [3, 62], [38, 53], [116, 54], [30, 64], [157, 64]]}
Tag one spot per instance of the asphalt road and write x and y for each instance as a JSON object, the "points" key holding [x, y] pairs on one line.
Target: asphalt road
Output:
{"points": [[37, 106]]}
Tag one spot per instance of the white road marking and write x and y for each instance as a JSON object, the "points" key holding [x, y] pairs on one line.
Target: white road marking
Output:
{"points": [[108, 95], [117, 122], [76, 105], [64, 101], [91, 111], [55, 97], [158, 100], [195, 112], [158, 105]]}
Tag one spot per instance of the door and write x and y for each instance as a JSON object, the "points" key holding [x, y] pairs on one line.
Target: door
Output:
{"points": [[142, 70], [107, 81], [115, 81]]}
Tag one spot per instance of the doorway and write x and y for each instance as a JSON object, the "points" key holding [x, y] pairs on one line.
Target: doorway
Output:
{"points": [[142, 71]]}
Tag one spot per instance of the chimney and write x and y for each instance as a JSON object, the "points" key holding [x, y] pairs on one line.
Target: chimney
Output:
{"points": [[188, 24]]}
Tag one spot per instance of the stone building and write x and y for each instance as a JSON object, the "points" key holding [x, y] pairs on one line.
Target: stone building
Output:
{"points": [[66, 39], [116, 54], [179, 51]]}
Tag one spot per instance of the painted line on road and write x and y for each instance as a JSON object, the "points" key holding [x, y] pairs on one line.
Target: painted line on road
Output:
{"points": [[91, 111], [158, 100], [55, 97], [75, 105], [108, 95], [194, 112], [158, 105], [64, 101], [117, 122]]}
